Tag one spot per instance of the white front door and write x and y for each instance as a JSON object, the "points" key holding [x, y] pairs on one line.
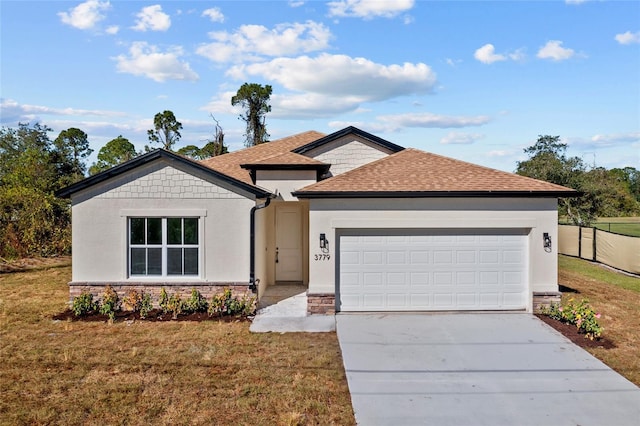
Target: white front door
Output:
{"points": [[288, 242]]}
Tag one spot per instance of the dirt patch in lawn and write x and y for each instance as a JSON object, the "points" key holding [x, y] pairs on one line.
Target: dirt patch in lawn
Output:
{"points": [[32, 264]]}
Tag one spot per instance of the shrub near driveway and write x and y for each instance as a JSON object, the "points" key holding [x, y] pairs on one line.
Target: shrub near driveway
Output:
{"points": [[157, 372], [617, 298]]}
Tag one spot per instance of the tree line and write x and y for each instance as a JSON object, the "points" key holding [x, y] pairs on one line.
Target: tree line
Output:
{"points": [[605, 193], [34, 222]]}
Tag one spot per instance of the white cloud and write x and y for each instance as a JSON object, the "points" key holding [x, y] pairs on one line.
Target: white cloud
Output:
{"points": [[295, 3], [487, 55], [429, 120], [575, 1], [113, 30], [616, 138], [342, 77], [499, 153], [214, 14], [553, 50], [12, 112], [85, 16], [460, 138], [152, 18], [628, 37], [453, 62], [148, 61], [369, 9], [251, 42]]}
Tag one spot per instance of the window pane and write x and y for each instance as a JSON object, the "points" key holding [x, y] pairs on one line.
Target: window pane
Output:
{"points": [[154, 230], [174, 261], [138, 261], [137, 230], [154, 261], [174, 230], [191, 230], [191, 261]]}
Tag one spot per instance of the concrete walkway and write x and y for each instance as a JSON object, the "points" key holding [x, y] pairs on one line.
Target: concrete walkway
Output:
{"points": [[476, 369], [289, 315]]}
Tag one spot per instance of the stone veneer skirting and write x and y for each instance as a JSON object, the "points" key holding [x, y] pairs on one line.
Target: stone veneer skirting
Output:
{"points": [[207, 289], [324, 304], [545, 299]]}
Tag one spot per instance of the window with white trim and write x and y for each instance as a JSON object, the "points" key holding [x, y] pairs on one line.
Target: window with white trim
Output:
{"points": [[164, 246]]}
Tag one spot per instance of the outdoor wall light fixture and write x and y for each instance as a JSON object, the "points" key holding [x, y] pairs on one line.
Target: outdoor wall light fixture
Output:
{"points": [[546, 242], [324, 243]]}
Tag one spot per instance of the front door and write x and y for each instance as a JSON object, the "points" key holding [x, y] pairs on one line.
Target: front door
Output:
{"points": [[288, 242]]}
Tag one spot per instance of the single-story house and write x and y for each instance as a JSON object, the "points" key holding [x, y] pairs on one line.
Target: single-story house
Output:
{"points": [[365, 224]]}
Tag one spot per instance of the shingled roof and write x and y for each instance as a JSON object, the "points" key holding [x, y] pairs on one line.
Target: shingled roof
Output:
{"points": [[415, 173], [231, 163]]}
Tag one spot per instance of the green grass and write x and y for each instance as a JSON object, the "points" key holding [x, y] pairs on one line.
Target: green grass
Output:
{"points": [[620, 225], [598, 273], [140, 373], [617, 297]]}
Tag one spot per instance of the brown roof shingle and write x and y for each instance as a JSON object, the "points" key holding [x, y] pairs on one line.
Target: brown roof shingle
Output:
{"points": [[285, 159], [419, 172], [229, 164]]}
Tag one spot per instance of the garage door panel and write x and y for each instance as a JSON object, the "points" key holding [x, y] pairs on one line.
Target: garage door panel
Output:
{"points": [[433, 272], [396, 258]]}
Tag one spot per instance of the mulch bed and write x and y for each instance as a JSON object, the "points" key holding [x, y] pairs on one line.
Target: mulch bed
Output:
{"points": [[156, 315], [571, 333]]}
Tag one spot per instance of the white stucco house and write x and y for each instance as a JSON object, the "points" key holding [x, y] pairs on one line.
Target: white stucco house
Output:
{"points": [[365, 224]]}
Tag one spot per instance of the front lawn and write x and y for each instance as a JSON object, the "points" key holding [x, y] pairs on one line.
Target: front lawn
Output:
{"points": [[617, 297], [62, 372]]}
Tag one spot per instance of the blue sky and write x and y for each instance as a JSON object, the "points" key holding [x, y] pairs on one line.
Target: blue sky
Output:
{"points": [[473, 80]]}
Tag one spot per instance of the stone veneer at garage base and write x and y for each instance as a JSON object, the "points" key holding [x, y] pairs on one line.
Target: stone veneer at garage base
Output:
{"points": [[317, 304], [183, 289], [326, 303]]}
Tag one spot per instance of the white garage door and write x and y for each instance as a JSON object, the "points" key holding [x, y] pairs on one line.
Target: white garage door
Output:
{"points": [[433, 270]]}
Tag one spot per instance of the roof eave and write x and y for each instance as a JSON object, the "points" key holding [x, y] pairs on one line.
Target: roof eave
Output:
{"points": [[148, 158], [434, 194], [322, 167], [348, 130]]}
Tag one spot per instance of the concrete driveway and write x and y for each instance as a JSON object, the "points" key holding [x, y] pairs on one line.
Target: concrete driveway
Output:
{"points": [[476, 369]]}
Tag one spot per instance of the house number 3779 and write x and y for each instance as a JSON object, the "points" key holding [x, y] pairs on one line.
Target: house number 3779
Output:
{"points": [[321, 257]]}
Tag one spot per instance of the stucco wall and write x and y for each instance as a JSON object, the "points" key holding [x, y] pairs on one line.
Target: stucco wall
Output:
{"points": [[535, 215], [347, 153], [284, 182], [159, 189]]}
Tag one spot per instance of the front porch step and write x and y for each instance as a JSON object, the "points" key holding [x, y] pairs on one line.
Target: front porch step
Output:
{"points": [[279, 292]]}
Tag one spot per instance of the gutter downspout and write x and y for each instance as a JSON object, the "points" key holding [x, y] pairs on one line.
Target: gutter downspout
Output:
{"points": [[252, 245]]}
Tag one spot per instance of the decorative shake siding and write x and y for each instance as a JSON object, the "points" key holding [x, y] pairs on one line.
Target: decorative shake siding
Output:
{"points": [[169, 183], [347, 155]]}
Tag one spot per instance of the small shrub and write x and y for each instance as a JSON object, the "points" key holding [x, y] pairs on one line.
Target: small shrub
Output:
{"points": [[583, 316], [132, 301], [84, 304], [164, 299], [110, 302], [226, 304], [196, 303], [145, 305], [173, 304]]}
